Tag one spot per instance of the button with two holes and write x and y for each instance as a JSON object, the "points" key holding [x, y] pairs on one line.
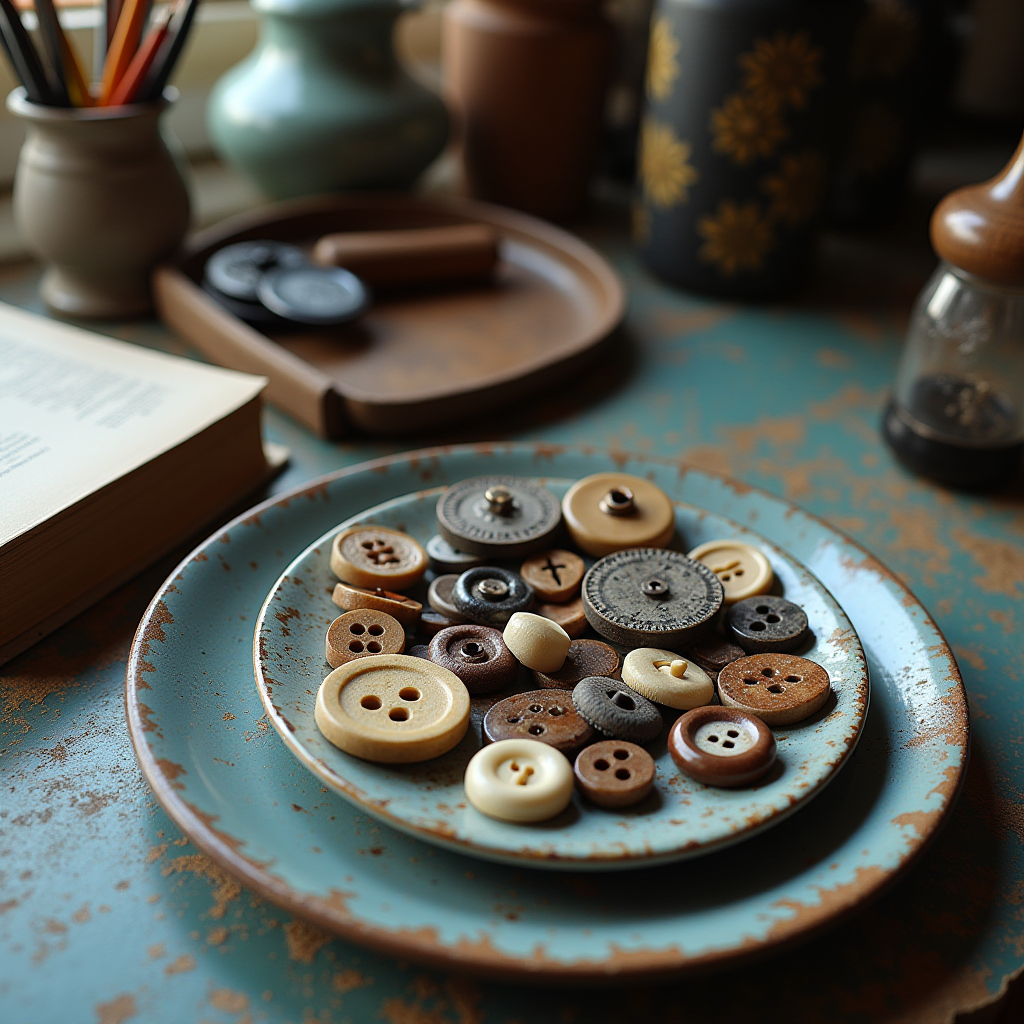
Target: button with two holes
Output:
{"points": [[519, 780], [743, 570], [614, 773], [722, 746], [477, 655], [362, 633], [779, 688], [545, 715], [766, 623], [616, 710], [491, 596], [376, 556]]}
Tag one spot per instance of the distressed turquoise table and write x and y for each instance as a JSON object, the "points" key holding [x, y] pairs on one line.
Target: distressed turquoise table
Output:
{"points": [[108, 914]]}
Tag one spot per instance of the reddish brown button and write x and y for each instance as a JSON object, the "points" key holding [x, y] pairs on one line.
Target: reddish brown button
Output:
{"points": [[403, 608], [722, 746], [713, 653], [779, 688], [615, 774], [477, 655], [569, 616], [554, 575], [361, 633], [585, 658], [545, 715]]}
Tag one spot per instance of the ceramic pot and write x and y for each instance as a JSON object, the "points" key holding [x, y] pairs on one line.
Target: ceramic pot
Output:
{"points": [[527, 79], [101, 199], [742, 104], [322, 103]]}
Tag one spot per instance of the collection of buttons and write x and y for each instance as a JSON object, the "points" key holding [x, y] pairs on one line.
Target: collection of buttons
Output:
{"points": [[698, 634]]}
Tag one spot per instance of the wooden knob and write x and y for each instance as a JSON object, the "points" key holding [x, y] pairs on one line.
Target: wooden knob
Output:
{"points": [[980, 228]]}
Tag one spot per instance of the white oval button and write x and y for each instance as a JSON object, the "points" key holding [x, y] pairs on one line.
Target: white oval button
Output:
{"points": [[538, 642], [519, 780], [743, 570], [668, 679]]}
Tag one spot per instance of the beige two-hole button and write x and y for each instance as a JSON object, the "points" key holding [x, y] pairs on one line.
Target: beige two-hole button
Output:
{"points": [[375, 556], [668, 679], [519, 780], [393, 708], [743, 570]]}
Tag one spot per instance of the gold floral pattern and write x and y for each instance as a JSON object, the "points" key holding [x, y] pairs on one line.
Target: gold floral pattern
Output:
{"points": [[745, 127], [737, 238], [795, 192], [782, 70], [876, 138], [665, 168], [885, 41], [662, 59]]}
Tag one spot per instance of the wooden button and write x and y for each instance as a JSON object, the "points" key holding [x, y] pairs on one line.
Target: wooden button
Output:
{"points": [[491, 596], [477, 655], [713, 653], [403, 608], [519, 780], [766, 623], [569, 616], [584, 658], [431, 623], [498, 516], [722, 746], [545, 715], [743, 570], [363, 633], [393, 709], [439, 597], [374, 556], [615, 709], [651, 597], [611, 511], [778, 688], [554, 575], [665, 678], [537, 642], [444, 558], [614, 773]]}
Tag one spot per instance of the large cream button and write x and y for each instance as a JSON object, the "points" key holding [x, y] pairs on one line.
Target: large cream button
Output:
{"points": [[393, 708], [668, 679], [536, 641], [743, 570], [607, 512], [519, 780]]}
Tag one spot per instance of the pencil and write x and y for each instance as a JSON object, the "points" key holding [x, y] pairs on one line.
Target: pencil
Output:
{"points": [[128, 88], [27, 65], [50, 30], [61, 55], [163, 66], [122, 47], [112, 11]]}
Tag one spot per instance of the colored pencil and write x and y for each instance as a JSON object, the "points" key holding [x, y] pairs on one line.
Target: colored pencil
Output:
{"points": [[112, 11], [61, 55], [163, 66], [27, 65], [49, 29], [128, 88], [122, 47]]}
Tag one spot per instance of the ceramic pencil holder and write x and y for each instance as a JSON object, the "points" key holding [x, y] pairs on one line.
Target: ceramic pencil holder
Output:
{"points": [[100, 198]]}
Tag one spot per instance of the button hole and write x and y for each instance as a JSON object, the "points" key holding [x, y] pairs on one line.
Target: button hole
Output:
{"points": [[373, 647], [712, 739], [409, 693], [601, 765], [536, 730], [358, 628], [370, 702], [776, 688], [356, 647], [758, 626], [376, 630], [793, 679], [769, 672], [773, 618], [733, 733], [728, 743], [762, 609], [398, 714], [622, 773], [620, 755]]}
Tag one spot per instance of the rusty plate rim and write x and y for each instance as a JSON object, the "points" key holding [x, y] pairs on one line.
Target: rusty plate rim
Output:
{"points": [[483, 958]]}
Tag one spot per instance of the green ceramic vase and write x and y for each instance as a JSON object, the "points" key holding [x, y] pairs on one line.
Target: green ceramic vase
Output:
{"points": [[322, 104]]}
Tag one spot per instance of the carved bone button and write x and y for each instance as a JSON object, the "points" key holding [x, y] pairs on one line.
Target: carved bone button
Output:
{"points": [[607, 512], [393, 709], [491, 596], [362, 633], [614, 773], [615, 709], [537, 642], [584, 658], [477, 655], [665, 678], [439, 597], [713, 653], [403, 608], [743, 570], [555, 576], [519, 780], [375, 556], [651, 597], [569, 616], [766, 623], [778, 688], [722, 746], [545, 715], [444, 558]]}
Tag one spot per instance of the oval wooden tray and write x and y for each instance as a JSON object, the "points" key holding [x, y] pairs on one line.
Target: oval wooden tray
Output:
{"points": [[418, 358]]}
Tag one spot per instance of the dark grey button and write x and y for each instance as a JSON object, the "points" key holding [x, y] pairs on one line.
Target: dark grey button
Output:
{"points": [[499, 516], [651, 597], [236, 270], [611, 707], [490, 595], [712, 654], [477, 655], [320, 296], [439, 597], [766, 623], [444, 558]]}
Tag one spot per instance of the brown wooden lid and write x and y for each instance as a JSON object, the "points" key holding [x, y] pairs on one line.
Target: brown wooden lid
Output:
{"points": [[980, 228]]}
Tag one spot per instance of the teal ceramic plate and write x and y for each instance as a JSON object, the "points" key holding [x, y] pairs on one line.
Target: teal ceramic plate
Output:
{"points": [[233, 787], [681, 818]]}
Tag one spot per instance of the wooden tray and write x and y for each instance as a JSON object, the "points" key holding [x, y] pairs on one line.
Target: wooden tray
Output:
{"points": [[418, 359]]}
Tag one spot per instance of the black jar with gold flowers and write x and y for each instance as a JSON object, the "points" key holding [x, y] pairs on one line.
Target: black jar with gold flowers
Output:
{"points": [[742, 116]]}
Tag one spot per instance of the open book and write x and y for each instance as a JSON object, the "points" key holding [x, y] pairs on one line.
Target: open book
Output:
{"points": [[110, 456]]}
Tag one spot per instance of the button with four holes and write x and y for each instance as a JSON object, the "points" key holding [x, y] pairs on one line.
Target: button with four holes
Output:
{"points": [[766, 623], [403, 608], [544, 715], [363, 633], [614, 773], [393, 709], [584, 658], [667, 679], [375, 556], [491, 596], [779, 688], [722, 746], [555, 576], [519, 780], [743, 570], [615, 709], [477, 655]]}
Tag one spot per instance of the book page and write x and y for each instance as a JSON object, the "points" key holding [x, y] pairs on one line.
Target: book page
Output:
{"points": [[78, 410]]}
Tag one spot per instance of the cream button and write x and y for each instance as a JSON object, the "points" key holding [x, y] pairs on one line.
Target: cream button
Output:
{"points": [[519, 780], [743, 570], [538, 643], [393, 708], [665, 678]]}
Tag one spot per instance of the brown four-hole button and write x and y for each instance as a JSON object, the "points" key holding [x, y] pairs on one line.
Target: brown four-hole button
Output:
{"points": [[779, 688], [615, 774], [722, 746], [545, 715], [361, 633]]}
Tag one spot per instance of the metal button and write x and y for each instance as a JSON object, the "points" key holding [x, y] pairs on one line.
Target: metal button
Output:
{"points": [[236, 270], [490, 595]]}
